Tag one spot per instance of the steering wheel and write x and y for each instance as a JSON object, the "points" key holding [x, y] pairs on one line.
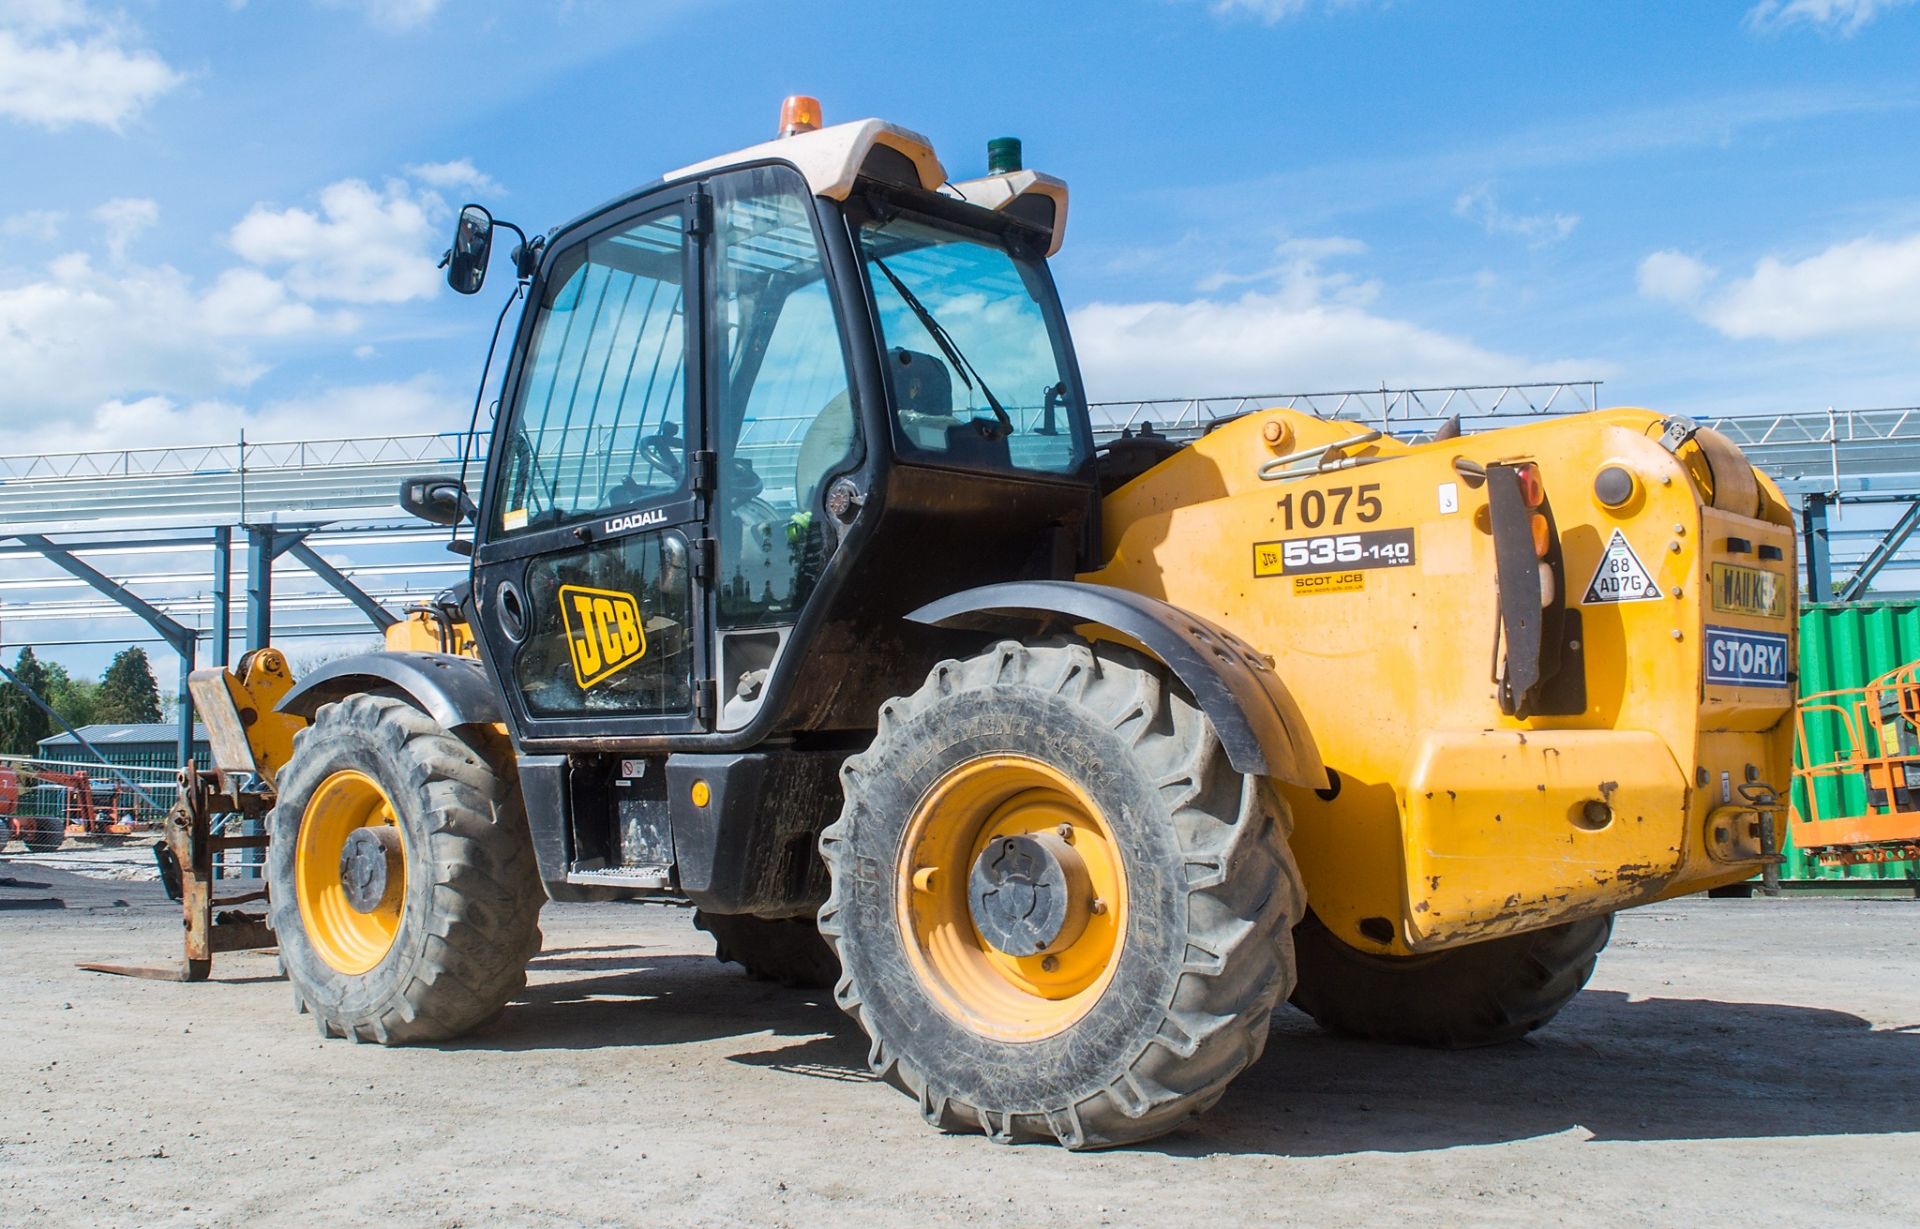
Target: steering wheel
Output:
{"points": [[666, 452], [742, 483]]}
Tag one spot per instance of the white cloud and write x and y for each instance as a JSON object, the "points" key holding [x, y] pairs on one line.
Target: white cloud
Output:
{"points": [[42, 16], [420, 404], [248, 303], [41, 224], [1863, 287], [1843, 17], [1298, 272], [1536, 229], [73, 337], [397, 16], [460, 173], [76, 335], [61, 65], [1673, 277], [1274, 11], [124, 219], [1311, 329], [363, 246]]}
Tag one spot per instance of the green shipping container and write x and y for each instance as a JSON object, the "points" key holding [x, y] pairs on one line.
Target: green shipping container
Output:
{"points": [[1842, 645]]}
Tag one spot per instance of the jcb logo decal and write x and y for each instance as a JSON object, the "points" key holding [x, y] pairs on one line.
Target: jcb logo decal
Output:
{"points": [[604, 633]]}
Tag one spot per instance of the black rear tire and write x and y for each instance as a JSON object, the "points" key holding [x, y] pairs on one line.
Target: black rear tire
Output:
{"points": [[1481, 994], [788, 950], [1211, 896], [42, 835], [470, 910]]}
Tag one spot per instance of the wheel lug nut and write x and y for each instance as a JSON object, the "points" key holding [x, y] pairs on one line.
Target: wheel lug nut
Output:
{"points": [[1051, 964], [1065, 832], [1098, 907]]}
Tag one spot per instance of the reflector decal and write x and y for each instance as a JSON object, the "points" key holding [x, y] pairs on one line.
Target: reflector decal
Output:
{"points": [[1621, 577]]}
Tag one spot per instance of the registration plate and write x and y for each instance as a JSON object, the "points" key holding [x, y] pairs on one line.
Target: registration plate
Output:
{"points": [[1748, 591]]}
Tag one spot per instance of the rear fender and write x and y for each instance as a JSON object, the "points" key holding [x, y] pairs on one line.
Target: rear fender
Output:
{"points": [[1260, 727]]}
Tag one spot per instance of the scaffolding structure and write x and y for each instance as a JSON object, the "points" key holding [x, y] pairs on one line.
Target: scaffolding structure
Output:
{"points": [[313, 529]]}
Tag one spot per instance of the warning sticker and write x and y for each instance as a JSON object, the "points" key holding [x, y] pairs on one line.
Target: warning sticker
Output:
{"points": [[1329, 582], [1621, 577]]}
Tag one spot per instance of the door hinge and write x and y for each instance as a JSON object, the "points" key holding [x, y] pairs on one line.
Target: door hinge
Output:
{"points": [[703, 552], [704, 466], [699, 213], [706, 698]]}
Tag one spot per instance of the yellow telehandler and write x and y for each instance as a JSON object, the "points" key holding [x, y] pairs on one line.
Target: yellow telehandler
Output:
{"points": [[802, 593]]}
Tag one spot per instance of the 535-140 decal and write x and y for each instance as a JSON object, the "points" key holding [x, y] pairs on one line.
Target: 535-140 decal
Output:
{"points": [[1334, 552]]}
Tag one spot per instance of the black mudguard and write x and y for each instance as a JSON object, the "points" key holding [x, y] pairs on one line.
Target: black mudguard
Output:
{"points": [[1260, 727], [454, 691]]}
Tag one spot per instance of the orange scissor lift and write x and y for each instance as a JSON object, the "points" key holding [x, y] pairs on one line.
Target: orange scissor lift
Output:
{"points": [[1856, 789]]}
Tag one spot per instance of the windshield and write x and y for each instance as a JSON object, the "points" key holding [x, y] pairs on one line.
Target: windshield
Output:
{"points": [[974, 350]]}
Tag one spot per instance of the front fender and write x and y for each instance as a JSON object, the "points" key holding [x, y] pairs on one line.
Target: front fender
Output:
{"points": [[454, 691], [1260, 727]]}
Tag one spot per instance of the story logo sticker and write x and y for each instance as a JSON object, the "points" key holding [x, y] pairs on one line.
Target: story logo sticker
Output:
{"points": [[604, 632], [1746, 659]]}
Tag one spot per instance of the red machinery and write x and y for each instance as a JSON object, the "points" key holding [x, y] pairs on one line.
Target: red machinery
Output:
{"points": [[85, 806]]}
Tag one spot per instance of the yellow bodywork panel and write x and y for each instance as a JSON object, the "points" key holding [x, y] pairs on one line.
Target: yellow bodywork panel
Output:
{"points": [[1371, 582], [244, 732], [422, 631]]}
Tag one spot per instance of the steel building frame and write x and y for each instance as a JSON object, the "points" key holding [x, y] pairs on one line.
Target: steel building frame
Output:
{"points": [[283, 496]]}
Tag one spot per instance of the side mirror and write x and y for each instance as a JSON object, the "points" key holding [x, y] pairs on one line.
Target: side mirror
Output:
{"points": [[466, 260], [436, 499]]}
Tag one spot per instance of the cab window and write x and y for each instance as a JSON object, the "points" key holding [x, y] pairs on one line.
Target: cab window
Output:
{"points": [[600, 424], [784, 415]]}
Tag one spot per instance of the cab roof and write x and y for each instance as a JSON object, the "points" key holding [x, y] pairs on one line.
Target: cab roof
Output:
{"points": [[831, 159]]}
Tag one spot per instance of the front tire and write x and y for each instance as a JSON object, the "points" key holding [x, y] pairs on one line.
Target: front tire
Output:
{"points": [[1080, 766], [440, 839], [1481, 994]]}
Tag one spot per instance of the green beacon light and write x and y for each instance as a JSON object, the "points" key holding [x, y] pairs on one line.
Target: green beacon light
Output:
{"points": [[1003, 155]]}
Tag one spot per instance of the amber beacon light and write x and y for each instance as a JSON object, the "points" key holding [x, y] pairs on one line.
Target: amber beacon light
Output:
{"points": [[799, 113]]}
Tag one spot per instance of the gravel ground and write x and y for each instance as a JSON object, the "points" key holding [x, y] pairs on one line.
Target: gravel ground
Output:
{"points": [[1732, 1063]]}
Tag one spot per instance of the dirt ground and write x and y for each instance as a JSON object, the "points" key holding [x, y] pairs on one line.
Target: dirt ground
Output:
{"points": [[1732, 1063]]}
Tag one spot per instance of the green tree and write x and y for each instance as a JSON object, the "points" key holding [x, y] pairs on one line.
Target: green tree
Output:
{"points": [[22, 722], [74, 699], [127, 690]]}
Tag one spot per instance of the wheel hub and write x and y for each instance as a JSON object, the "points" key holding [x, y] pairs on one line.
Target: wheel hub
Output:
{"points": [[350, 872], [1029, 894], [371, 869]]}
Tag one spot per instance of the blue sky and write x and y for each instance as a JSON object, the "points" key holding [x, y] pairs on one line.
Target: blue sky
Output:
{"points": [[219, 214]]}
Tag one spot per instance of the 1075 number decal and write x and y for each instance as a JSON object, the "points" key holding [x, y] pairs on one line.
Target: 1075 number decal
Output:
{"points": [[1316, 505]]}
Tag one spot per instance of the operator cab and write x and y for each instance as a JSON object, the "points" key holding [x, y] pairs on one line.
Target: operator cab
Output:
{"points": [[754, 414]]}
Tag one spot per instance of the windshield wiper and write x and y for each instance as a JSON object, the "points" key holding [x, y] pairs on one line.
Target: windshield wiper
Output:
{"points": [[948, 347]]}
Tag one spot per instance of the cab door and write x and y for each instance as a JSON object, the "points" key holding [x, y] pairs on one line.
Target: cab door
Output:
{"points": [[589, 577]]}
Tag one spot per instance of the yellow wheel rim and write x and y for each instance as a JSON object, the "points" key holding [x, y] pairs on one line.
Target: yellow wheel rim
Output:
{"points": [[997, 993], [348, 940]]}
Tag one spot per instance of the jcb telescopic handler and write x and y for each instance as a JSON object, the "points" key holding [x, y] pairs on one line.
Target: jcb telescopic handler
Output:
{"points": [[802, 592]]}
